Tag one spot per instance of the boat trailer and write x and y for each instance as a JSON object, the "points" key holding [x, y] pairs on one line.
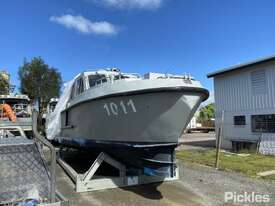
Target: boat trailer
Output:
{"points": [[92, 181], [25, 177]]}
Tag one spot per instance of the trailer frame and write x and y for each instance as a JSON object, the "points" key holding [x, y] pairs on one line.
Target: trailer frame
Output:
{"points": [[89, 181]]}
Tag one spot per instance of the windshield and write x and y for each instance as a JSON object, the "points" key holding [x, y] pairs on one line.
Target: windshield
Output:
{"points": [[97, 79]]}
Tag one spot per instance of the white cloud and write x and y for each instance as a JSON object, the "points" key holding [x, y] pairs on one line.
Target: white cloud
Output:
{"points": [[130, 4], [84, 25]]}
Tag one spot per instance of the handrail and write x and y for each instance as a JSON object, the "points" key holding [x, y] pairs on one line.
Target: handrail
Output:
{"points": [[45, 142], [22, 133]]}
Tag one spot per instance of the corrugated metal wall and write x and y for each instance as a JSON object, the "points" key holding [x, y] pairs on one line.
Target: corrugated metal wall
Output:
{"points": [[244, 92]]}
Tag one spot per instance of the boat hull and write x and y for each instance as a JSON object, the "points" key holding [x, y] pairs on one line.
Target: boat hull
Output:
{"points": [[141, 130], [141, 119]]}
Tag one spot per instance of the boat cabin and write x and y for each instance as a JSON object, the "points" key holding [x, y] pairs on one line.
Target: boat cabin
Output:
{"points": [[93, 79]]}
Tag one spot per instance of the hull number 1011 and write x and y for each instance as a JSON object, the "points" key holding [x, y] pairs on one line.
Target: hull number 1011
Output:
{"points": [[120, 108]]}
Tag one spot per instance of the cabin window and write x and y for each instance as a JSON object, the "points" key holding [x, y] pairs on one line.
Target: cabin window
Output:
{"points": [[239, 120], [79, 86], [73, 91], [96, 79], [263, 123], [66, 118]]}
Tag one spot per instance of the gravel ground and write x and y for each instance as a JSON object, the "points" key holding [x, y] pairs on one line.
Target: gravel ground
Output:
{"points": [[211, 184]]}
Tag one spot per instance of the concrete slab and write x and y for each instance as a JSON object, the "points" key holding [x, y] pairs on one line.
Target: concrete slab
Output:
{"points": [[266, 173]]}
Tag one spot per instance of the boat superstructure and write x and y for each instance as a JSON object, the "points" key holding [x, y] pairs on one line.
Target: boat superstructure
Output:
{"points": [[51, 105], [137, 120]]}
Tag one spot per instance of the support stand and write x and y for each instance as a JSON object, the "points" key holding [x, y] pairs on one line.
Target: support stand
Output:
{"points": [[90, 182]]}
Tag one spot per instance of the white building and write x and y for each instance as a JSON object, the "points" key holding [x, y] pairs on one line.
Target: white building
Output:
{"points": [[193, 122], [246, 94]]}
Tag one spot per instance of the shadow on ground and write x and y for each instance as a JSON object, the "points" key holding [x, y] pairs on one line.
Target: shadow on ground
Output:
{"points": [[148, 191]]}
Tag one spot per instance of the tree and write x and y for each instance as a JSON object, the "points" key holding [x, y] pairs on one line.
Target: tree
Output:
{"points": [[4, 84], [39, 81], [206, 114]]}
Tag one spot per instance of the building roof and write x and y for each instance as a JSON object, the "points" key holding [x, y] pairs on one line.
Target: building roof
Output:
{"points": [[241, 66]]}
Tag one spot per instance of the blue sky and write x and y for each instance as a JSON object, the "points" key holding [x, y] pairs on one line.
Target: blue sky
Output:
{"points": [[174, 36]]}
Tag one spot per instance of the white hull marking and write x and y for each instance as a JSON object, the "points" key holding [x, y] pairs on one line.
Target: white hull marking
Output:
{"points": [[121, 108]]}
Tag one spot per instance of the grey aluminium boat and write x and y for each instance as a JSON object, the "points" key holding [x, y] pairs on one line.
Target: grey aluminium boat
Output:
{"points": [[136, 119]]}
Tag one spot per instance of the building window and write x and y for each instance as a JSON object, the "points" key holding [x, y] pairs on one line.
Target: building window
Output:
{"points": [[263, 123], [239, 120], [258, 82]]}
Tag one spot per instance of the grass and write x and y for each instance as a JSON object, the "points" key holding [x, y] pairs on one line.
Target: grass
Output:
{"points": [[250, 165]]}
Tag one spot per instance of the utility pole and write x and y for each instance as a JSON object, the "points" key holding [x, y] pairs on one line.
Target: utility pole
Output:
{"points": [[218, 145]]}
